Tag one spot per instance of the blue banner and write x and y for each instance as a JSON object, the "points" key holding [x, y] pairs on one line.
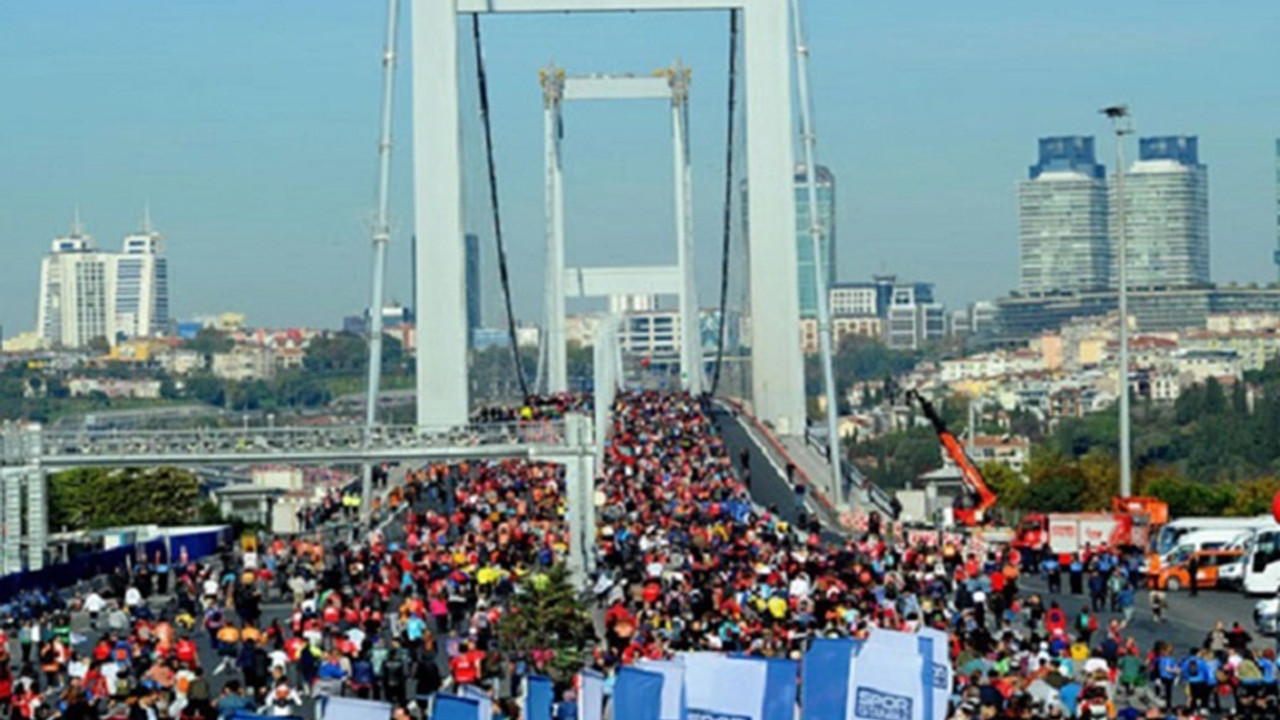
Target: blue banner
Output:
{"points": [[637, 695], [539, 695], [452, 707], [825, 685], [672, 686], [484, 703], [780, 689], [943, 675]]}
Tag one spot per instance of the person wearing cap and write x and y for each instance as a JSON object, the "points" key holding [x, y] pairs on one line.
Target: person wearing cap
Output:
{"points": [[283, 702]]}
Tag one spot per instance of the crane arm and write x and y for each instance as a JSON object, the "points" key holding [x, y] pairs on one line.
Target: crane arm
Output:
{"points": [[970, 475]]}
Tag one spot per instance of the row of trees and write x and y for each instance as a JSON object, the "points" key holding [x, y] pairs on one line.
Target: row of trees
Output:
{"points": [[91, 498], [1056, 483]]}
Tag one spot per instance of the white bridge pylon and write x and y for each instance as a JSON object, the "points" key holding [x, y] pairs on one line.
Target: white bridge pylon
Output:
{"points": [[672, 85], [777, 369]]}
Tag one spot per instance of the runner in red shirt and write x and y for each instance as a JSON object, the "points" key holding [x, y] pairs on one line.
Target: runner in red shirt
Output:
{"points": [[466, 665]]}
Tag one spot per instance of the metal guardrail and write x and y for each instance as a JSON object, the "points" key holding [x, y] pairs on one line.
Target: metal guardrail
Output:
{"points": [[875, 494], [260, 441]]}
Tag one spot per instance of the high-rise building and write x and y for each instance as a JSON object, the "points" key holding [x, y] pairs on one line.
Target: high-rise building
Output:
{"points": [[1062, 220], [77, 291], [826, 183], [1167, 193], [87, 293], [472, 279], [142, 284]]}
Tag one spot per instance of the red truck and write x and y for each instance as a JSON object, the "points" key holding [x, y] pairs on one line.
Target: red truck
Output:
{"points": [[1070, 533]]}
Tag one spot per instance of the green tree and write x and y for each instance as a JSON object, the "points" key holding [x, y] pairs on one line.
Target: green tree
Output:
{"points": [[1186, 497], [90, 498], [1055, 483], [579, 362], [337, 353], [1254, 497], [1007, 484], [547, 615], [1100, 473]]}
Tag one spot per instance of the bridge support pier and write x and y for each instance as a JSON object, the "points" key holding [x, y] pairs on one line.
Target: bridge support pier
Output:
{"points": [[579, 480]]}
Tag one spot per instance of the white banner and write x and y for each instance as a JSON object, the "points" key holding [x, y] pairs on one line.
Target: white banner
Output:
{"points": [[723, 688], [590, 695], [887, 683]]}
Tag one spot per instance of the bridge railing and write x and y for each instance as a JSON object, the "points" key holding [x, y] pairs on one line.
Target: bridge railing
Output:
{"points": [[853, 477], [260, 440]]}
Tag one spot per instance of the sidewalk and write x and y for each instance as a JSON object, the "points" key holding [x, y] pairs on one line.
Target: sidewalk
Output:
{"points": [[808, 469]]}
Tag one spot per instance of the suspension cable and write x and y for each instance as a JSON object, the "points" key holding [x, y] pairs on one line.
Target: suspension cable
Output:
{"points": [[483, 82], [728, 194]]}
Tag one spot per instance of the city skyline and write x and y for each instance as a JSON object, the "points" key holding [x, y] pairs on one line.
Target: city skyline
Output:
{"points": [[260, 160]]}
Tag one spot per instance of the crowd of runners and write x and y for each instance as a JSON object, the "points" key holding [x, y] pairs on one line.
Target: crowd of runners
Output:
{"points": [[685, 561]]}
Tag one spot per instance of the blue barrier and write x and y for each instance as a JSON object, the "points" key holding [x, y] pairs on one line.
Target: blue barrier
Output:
{"points": [[102, 562]]}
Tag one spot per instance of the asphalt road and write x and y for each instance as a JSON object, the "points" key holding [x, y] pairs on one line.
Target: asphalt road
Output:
{"points": [[1188, 619]]}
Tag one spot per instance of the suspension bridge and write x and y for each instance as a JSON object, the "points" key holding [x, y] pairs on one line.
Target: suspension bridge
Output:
{"points": [[764, 35]]}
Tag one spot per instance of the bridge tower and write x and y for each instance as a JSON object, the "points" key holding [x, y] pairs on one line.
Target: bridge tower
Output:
{"points": [[777, 368], [670, 84]]}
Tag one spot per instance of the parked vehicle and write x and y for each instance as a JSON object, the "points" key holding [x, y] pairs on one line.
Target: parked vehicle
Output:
{"points": [[1231, 575], [1262, 570], [1070, 533], [1220, 539], [1170, 535], [1175, 574]]}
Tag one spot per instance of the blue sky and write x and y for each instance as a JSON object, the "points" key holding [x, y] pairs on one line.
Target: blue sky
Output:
{"points": [[251, 128]]}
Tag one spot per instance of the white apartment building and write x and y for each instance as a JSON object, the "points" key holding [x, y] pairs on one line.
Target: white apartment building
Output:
{"points": [[77, 292], [1197, 366], [841, 328], [850, 299], [88, 293], [245, 362], [914, 318], [142, 285]]}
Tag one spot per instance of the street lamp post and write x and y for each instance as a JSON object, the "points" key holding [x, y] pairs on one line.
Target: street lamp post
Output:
{"points": [[1119, 116]]}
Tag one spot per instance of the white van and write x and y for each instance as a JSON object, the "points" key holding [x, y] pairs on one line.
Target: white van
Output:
{"points": [[1171, 535], [1202, 540], [1262, 570]]}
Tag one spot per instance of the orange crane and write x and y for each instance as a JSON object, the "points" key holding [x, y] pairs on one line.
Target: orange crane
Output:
{"points": [[977, 499]]}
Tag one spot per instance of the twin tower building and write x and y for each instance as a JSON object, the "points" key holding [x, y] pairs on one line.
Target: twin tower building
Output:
{"points": [[89, 294], [1068, 208]]}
